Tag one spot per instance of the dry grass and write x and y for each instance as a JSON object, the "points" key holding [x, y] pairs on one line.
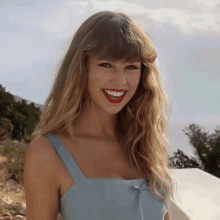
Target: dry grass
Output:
{"points": [[18, 197], [12, 159]]}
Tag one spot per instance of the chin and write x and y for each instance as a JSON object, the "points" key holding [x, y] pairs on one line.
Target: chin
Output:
{"points": [[113, 110]]}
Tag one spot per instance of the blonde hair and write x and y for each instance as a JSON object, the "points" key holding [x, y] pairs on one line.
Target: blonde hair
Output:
{"points": [[141, 123]]}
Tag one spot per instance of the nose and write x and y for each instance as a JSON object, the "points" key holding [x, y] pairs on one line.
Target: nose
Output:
{"points": [[119, 78]]}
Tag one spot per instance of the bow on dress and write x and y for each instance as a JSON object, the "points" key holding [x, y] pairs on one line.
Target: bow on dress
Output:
{"points": [[139, 189]]}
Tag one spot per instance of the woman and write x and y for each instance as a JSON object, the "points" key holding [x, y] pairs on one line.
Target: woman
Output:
{"points": [[99, 149]]}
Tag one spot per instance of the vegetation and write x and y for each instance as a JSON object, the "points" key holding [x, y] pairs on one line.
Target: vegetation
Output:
{"points": [[18, 120], [206, 148], [22, 116]]}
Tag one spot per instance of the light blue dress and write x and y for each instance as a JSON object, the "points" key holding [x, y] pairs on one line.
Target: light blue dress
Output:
{"points": [[105, 198]]}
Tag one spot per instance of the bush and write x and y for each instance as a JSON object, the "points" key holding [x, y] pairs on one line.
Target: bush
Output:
{"points": [[6, 128], [15, 154]]}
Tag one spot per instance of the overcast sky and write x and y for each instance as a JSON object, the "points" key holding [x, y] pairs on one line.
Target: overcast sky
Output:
{"points": [[35, 35]]}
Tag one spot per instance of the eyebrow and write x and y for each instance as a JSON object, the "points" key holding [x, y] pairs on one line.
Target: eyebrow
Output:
{"points": [[112, 60]]}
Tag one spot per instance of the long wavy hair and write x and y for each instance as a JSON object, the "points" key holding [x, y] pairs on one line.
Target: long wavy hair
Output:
{"points": [[141, 124]]}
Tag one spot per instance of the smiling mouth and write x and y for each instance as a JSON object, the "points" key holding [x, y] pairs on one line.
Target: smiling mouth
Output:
{"points": [[114, 97]]}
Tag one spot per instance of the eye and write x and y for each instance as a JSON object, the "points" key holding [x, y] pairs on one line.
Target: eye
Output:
{"points": [[104, 64], [134, 67]]}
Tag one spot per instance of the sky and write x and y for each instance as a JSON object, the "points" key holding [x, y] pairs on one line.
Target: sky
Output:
{"points": [[35, 35]]}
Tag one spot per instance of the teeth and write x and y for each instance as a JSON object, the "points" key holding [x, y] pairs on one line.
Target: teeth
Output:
{"points": [[117, 94]]}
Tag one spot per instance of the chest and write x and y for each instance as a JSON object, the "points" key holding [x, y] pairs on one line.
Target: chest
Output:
{"points": [[96, 159], [97, 156]]}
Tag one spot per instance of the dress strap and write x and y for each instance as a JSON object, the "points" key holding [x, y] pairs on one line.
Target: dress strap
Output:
{"points": [[67, 158]]}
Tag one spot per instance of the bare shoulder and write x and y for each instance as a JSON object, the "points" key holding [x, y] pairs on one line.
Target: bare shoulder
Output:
{"points": [[43, 146], [40, 181], [43, 150], [41, 142]]}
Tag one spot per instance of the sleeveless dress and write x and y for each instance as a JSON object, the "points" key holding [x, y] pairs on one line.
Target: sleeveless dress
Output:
{"points": [[105, 198]]}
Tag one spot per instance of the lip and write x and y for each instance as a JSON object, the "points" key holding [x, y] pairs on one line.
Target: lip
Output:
{"points": [[112, 100], [117, 90]]}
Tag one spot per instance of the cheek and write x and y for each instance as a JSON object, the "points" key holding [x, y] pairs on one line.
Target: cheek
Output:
{"points": [[98, 78], [135, 80], [96, 83]]}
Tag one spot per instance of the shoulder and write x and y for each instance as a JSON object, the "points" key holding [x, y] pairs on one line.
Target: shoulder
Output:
{"points": [[43, 150], [42, 144], [40, 181]]}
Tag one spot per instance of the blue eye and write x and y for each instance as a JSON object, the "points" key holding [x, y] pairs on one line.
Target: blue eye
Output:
{"points": [[134, 67]]}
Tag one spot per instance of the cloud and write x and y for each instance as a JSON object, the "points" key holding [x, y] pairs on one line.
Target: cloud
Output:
{"points": [[201, 118], [187, 23], [189, 20], [74, 13]]}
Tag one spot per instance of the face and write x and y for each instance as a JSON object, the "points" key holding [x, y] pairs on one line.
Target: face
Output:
{"points": [[109, 75]]}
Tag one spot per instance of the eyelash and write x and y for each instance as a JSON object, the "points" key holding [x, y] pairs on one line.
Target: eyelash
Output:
{"points": [[109, 64]]}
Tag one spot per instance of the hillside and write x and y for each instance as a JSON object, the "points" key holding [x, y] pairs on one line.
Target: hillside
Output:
{"points": [[19, 99]]}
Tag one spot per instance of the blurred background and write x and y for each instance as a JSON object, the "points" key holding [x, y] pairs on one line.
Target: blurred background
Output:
{"points": [[35, 35]]}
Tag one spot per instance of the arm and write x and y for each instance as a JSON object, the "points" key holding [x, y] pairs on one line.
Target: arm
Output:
{"points": [[40, 183]]}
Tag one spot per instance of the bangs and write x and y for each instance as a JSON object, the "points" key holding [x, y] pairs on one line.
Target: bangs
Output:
{"points": [[114, 41]]}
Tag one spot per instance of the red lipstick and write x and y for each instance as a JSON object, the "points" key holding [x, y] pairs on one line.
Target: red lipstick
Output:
{"points": [[114, 100], [116, 90]]}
